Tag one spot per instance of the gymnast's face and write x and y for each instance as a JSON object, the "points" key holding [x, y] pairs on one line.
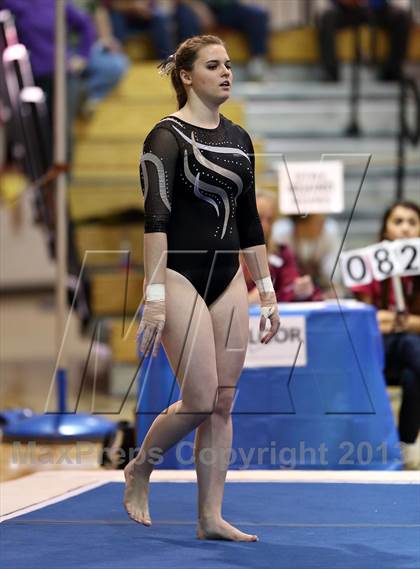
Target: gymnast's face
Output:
{"points": [[211, 75], [403, 223]]}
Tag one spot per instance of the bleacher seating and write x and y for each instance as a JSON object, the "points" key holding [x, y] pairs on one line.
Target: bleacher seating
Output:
{"points": [[298, 45]]}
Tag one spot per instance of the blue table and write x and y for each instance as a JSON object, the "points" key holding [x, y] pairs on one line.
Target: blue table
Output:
{"points": [[332, 413]]}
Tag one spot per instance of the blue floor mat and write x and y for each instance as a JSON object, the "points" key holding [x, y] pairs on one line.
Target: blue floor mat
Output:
{"points": [[300, 526]]}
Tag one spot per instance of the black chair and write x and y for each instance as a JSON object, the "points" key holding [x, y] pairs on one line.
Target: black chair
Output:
{"points": [[35, 132], [8, 37], [17, 75]]}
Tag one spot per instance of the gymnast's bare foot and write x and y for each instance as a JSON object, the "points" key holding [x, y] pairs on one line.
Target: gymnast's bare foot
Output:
{"points": [[218, 528], [136, 494]]}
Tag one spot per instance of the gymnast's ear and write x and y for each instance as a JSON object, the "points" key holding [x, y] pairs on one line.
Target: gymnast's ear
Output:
{"points": [[185, 77]]}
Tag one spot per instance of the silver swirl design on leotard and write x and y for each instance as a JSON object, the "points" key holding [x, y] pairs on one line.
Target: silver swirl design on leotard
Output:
{"points": [[172, 119], [207, 188], [216, 149], [234, 178], [202, 196], [149, 156]]}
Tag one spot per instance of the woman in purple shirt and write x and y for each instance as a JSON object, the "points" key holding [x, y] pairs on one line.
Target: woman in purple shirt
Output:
{"points": [[35, 23], [89, 65]]}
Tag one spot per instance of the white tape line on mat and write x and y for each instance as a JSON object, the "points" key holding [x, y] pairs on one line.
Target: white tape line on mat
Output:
{"points": [[50, 501]]}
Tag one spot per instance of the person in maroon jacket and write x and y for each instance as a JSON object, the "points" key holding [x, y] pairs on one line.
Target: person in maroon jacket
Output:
{"points": [[288, 284], [400, 333]]}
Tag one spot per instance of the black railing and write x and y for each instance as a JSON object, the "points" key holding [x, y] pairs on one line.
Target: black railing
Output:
{"points": [[409, 131], [353, 128]]}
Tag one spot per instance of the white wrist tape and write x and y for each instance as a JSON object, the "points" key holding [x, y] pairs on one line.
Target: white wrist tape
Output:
{"points": [[267, 311], [264, 285], [155, 292]]}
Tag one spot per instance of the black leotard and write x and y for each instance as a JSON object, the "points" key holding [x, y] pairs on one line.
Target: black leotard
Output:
{"points": [[198, 186]]}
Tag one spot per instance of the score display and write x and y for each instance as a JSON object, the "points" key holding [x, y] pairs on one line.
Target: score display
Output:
{"points": [[381, 261]]}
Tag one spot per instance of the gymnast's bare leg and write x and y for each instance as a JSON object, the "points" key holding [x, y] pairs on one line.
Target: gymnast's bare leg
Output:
{"points": [[213, 442], [188, 342]]}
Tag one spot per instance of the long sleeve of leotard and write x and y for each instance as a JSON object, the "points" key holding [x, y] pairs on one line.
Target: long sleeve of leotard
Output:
{"points": [[248, 220], [157, 172]]}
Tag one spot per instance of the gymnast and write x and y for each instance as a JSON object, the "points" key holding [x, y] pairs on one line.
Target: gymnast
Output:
{"points": [[197, 176]]}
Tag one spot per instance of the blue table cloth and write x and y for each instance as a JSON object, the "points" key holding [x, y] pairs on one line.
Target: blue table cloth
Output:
{"points": [[333, 413]]}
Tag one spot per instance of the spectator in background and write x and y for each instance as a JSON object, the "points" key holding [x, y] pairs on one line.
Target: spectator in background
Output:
{"points": [[314, 240], [401, 333], [35, 24], [381, 13], [107, 63], [194, 17], [289, 286], [129, 17]]}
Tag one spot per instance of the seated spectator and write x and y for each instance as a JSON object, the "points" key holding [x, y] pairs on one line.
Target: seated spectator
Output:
{"points": [[314, 240], [195, 17], [288, 284], [345, 13], [401, 333], [129, 17], [107, 63], [35, 24]]}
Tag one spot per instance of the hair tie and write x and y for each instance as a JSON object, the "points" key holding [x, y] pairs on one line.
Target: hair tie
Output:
{"points": [[168, 65]]}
